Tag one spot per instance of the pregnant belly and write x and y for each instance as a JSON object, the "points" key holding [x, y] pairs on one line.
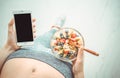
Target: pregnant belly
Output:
{"points": [[28, 68]]}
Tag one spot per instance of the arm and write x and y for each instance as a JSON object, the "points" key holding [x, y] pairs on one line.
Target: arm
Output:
{"points": [[4, 53], [80, 75], [10, 45]]}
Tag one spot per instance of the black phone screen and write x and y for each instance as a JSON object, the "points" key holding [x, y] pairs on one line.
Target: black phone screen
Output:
{"points": [[23, 27]]}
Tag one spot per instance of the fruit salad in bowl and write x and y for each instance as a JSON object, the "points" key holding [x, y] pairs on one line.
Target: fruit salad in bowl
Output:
{"points": [[65, 42]]}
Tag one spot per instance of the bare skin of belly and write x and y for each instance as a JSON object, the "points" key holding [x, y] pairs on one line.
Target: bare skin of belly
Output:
{"points": [[28, 68]]}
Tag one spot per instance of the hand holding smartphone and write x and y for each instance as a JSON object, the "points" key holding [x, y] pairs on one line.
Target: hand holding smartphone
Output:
{"points": [[23, 27]]}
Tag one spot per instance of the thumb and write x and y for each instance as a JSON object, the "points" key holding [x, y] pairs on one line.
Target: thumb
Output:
{"points": [[10, 25], [80, 53]]}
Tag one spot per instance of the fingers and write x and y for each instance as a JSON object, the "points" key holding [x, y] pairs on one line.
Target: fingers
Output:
{"points": [[33, 23], [79, 56], [34, 32], [34, 27], [33, 20], [80, 53], [10, 24], [79, 59]]}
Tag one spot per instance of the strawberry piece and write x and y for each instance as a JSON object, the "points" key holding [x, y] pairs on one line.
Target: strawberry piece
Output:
{"points": [[56, 49], [62, 40], [73, 35], [66, 51]]}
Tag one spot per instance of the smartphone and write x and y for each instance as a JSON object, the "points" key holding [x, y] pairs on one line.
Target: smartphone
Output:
{"points": [[23, 27]]}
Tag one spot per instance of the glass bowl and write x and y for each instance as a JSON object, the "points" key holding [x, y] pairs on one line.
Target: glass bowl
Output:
{"points": [[65, 42]]}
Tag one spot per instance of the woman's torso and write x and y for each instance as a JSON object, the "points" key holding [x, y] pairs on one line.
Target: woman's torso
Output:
{"points": [[27, 63], [28, 68]]}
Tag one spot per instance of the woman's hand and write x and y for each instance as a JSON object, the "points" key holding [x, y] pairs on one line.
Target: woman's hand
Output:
{"points": [[10, 45], [77, 69], [11, 40]]}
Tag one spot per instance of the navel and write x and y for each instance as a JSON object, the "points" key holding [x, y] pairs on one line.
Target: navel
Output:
{"points": [[33, 70]]}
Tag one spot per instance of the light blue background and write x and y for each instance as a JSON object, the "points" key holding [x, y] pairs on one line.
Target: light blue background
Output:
{"points": [[97, 20]]}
